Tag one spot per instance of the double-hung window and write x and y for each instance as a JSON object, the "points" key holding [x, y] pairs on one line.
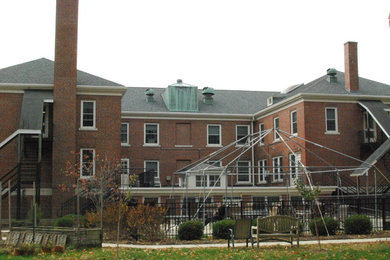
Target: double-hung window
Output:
{"points": [[294, 122], [331, 120], [124, 134], [88, 114], [151, 134], [276, 129], [153, 166], [87, 162], [214, 135], [262, 171], [243, 172], [369, 128], [294, 162], [262, 132], [277, 164], [125, 170], [242, 132]]}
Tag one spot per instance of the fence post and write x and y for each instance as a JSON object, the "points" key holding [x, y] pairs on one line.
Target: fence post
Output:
{"points": [[384, 224]]}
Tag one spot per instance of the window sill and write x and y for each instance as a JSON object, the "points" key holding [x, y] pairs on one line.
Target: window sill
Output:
{"points": [[276, 141], [262, 182], [242, 145], [151, 145], [296, 134], [332, 133], [214, 145], [277, 181], [125, 145], [243, 182], [183, 146], [88, 129]]}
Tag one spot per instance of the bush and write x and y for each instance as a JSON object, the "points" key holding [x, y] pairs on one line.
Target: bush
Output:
{"points": [[357, 224], [221, 228], [191, 230], [331, 224], [69, 221], [25, 250]]}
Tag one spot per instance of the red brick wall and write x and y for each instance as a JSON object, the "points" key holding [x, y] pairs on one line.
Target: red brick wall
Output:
{"points": [[167, 154]]}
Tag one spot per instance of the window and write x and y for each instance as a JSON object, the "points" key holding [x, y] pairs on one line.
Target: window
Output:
{"points": [[243, 172], [214, 181], [259, 203], [331, 119], [151, 134], [261, 130], [153, 166], [125, 134], [45, 120], [125, 166], [294, 160], [294, 122], [241, 132], [87, 162], [369, 128], [214, 135], [276, 127], [277, 168], [88, 109], [262, 171], [201, 180], [125, 169]]}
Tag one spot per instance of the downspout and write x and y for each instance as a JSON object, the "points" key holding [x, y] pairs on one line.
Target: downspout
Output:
{"points": [[253, 152]]}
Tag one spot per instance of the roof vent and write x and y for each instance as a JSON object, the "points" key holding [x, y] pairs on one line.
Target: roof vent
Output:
{"points": [[332, 78], [208, 94], [149, 95], [179, 81]]}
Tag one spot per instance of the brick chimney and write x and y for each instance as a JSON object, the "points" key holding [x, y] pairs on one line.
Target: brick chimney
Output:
{"points": [[351, 67], [64, 93]]}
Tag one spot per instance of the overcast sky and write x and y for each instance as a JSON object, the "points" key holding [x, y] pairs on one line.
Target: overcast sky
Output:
{"points": [[225, 44]]}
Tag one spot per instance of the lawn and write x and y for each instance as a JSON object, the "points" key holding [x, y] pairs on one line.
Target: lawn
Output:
{"points": [[339, 251]]}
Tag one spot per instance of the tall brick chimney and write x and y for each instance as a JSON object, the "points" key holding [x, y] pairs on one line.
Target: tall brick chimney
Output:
{"points": [[351, 66], [64, 93]]}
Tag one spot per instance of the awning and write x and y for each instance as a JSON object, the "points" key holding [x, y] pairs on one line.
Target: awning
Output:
{"points": [[372, 159], [376, 109], [32, 109]]}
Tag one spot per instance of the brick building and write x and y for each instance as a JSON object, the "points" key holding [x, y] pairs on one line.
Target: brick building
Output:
{"points": [[337, 126]]}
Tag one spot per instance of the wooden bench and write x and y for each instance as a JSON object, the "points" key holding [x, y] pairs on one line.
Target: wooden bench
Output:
{"points": [[281, 228]]}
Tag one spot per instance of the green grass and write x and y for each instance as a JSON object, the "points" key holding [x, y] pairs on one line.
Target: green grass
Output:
{"points": [[341, 251]]}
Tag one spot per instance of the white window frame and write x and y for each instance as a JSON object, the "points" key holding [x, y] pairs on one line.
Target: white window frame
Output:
{"points": [[220, 135], [82, 127], [294, 167], [247, 130], [127, 134], [127, 162], [158, 135], [261, 131], [249, 173], [292, 123], [276, 135], [157, 177], [262, 171], [82, 163], [336, 131], [125, 182], [366, 128], [277, 170]]}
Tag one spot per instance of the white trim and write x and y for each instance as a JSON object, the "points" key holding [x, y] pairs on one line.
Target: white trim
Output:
{"points": [[18, 132], [249, 172], [262, 141], [127, 160], [183, 145], [265, 171], [157, 177], [158, 135], [276, 118], [93, 162], [220, 136], [186, 116], [127, 134], [237, 126], [336, 131], [82, 127], [279, 176], [291, 122]]}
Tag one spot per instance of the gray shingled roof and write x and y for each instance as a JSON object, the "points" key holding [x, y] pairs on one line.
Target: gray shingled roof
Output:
{"points": [[322, 86], [41, 71], [225, 101]]}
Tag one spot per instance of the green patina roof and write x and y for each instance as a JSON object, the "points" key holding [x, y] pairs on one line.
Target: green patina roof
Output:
{"points": [[181, 97]]}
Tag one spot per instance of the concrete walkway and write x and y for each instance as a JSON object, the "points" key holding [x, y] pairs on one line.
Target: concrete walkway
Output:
{"points": [[262, 244]]}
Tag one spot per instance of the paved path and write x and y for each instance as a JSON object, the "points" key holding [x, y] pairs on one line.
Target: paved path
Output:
{"points": [[338, 241]]}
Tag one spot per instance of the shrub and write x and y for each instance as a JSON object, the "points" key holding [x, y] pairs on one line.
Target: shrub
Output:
{"points": [[331, 224], [58, 249], [24, 250], [66, 221], [221, 228], [191, 230], [357, 224]]}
